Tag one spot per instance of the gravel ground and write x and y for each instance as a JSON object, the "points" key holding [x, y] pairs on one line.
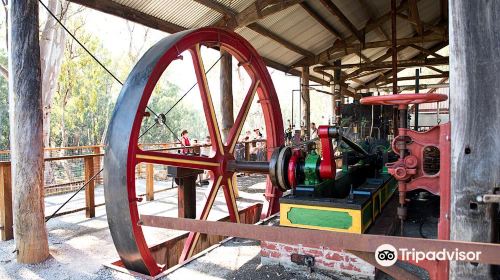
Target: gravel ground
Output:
{"points": [[79, 247]]}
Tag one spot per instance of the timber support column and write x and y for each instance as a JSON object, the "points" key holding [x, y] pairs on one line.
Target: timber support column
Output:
{"points": [[226, 96], [6, 229], [306, 101], [475, 111], [185, 178], [26, 132], [337, 78]]}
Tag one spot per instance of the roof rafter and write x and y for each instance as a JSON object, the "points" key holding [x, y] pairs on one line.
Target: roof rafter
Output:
{"points": [[257, 10], [388, 73], [216, 6], [424, 50], [413, 13], [371, 25], [289, 45], [334, 10], [113, 8], [345, 49], [320, 20]]}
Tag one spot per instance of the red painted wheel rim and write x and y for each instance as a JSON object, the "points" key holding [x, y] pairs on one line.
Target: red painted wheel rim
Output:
{"points": [[261, 86]]}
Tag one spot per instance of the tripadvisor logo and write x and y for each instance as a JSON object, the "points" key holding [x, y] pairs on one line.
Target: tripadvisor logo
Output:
{"points": [[387, 255]]}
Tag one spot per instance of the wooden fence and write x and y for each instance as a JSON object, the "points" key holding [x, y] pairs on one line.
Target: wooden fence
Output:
{"points": [[68, 168]]}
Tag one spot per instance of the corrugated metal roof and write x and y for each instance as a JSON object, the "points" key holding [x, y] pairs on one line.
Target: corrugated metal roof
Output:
{"points": [[295, 25]]}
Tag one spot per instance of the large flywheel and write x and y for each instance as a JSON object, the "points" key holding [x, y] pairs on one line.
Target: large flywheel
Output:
{"points": [[123, 152]]}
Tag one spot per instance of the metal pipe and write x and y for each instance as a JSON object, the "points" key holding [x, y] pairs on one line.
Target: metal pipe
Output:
{"points": [[394, 55], [417, 90], [261, 167]]}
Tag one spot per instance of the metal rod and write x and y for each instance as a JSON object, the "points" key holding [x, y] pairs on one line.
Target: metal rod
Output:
{"points": [[417, 90], [261, 167], [394, 53]]}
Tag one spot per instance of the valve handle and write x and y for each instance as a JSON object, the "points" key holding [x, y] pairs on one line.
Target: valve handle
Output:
{"points": [[403, 100]]}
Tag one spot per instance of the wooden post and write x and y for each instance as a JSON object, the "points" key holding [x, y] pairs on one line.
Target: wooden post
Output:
{"points": [[475, 111], [186, 197], [6, 230], [97, 163], [226, 96], [89, 189], [247, 150], [337, 80], [150, 195], [306, 101], [26, 132]]}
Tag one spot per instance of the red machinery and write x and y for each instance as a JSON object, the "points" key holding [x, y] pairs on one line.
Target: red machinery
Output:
{"points": [[414, 169], [424, 163]]}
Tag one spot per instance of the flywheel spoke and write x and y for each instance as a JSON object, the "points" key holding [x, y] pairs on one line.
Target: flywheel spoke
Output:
{"points": [[206, 98], [179, 160], [231, 200], [235, 131], [193, 237]]}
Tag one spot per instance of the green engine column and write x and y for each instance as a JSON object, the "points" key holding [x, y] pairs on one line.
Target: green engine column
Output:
{"points": [[311, 165]]}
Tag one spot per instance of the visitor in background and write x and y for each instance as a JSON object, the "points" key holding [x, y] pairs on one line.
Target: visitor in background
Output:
{"points": [[206, 149], [185, 141], [258, 147], [196, 147], [248, 134], [314, 131]]}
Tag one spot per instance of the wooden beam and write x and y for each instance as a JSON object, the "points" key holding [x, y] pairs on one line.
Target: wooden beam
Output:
{"points": [[411, 78], [413, 12], [434, 48], [88, 163], [379, 59], [388, 64], [291, 70], [226, 96], [26, 142], [435, 69], [216, 6], [438, 29], [444, 10], [320, 20], [258, 10], [432, 90], [339, 49], [113, 8], [6, 229], [334, 10], [426, 51], [327, 55], [474, 113], [287, 44], [306, 102]]}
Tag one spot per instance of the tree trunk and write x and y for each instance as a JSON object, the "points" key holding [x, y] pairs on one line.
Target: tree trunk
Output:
{"points": [[26, 128], [475, 111], [51, 52], [226, 96]]}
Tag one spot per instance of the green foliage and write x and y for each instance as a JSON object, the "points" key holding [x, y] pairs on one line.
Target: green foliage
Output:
{"points": [[180, 118], [83, 103], [4, 106]]}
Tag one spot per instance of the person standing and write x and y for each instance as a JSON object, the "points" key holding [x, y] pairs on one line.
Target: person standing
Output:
{"points": [[314, 131], [185, 141]]}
